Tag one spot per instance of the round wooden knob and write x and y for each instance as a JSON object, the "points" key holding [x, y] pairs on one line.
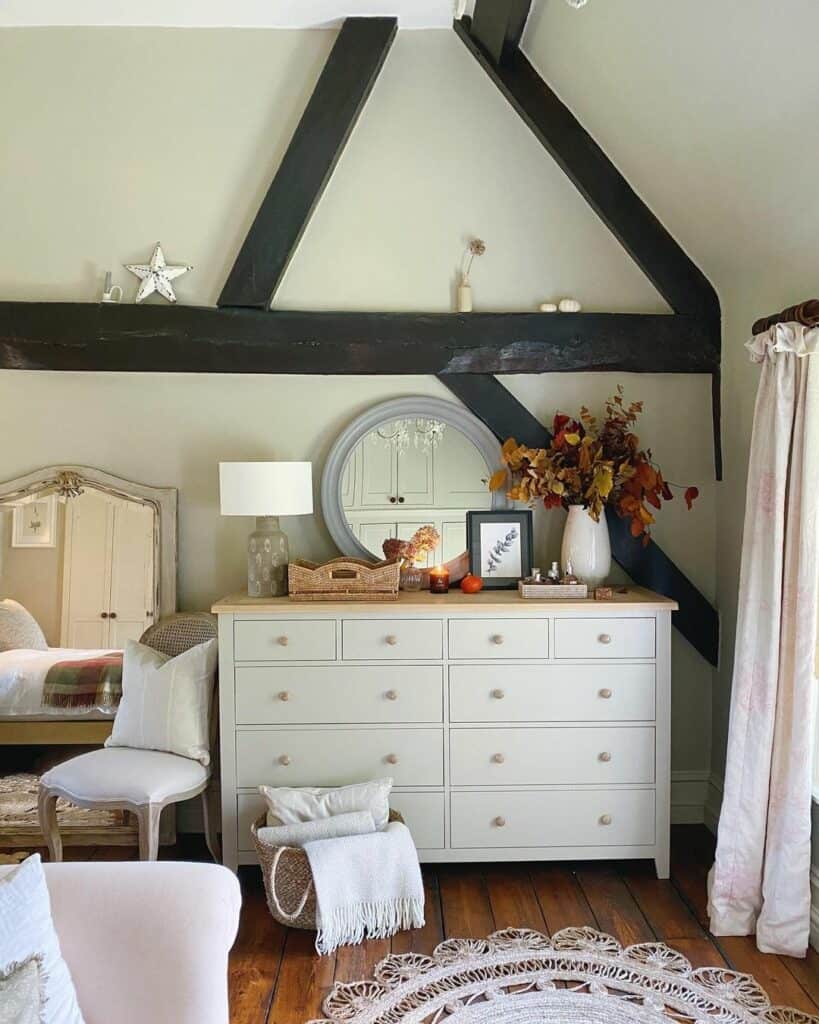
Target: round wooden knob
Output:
{"points": [[392, 640], [498, 694], [604, 638], [401, 500], [605, 693], [604, 756], [497, 639], [391, 758], [113, 615], [499, 822], [282, 641], [498, 758], [391, 694], [284, 760], [103, 615], [605, 819], [393, 500], [284, 695]]}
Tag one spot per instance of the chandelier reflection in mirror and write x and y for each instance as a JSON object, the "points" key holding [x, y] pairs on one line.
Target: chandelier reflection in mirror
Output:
{"points": [[423, 433]]}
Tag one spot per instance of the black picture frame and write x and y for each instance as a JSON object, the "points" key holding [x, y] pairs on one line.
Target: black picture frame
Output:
{"points": [[477, 545]]}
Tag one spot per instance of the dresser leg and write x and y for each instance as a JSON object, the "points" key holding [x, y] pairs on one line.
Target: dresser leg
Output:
{"points": [[662, 862]]}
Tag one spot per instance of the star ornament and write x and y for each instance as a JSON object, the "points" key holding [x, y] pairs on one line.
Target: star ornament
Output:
{"points": [[157, 275]]}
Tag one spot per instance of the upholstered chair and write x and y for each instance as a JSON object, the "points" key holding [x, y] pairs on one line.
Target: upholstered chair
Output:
{"points": [[141, 781]]}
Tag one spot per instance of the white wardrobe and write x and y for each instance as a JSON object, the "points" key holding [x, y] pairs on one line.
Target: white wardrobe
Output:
{"points": [[108, 571]]}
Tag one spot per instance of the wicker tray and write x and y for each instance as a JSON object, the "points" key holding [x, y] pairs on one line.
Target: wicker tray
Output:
{"points": [[344, 579], [552, 591], [288, 880]]}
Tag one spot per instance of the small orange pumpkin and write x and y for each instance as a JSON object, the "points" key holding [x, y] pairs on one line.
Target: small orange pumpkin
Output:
{"points": [[471, 584]]}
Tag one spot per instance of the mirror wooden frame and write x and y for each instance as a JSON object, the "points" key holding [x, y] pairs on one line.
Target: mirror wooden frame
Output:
{"points": [[414, 407], [70, 480]]}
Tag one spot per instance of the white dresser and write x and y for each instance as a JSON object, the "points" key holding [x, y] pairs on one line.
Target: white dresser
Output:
{"points": [[513, 730]]}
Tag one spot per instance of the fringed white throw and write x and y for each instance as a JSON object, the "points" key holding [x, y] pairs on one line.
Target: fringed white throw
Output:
{"points": [[579, 976], [367, 886]]}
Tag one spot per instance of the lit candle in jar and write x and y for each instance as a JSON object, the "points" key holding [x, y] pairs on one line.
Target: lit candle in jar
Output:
{"points": [[439, 580]]}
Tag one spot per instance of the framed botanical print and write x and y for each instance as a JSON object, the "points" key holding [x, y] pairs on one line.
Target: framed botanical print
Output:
{"points": [[499, 546], [34, 523]]}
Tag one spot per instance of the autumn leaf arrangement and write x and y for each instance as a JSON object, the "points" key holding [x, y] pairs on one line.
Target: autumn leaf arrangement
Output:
{"points": [[593, 464], [424, 540]]}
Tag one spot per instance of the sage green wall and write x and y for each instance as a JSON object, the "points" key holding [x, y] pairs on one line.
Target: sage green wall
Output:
{"points": [[707, 108], [113, 139]]}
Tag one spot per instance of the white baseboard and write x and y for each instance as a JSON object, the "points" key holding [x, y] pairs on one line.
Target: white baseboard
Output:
{"points": [[713, 802]]}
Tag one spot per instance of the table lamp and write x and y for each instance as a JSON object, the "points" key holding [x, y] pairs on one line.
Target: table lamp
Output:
{"points": [[266, 490]]}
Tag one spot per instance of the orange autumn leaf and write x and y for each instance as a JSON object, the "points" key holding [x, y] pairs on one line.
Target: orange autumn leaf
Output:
{"points": [[498, 479], [691, 493]]}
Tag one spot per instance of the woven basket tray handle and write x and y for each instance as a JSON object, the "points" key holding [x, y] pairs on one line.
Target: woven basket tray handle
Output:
{"points": [[345, 574], [274, 896]]}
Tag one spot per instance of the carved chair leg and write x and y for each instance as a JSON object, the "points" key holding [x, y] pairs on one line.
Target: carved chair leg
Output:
{"points": [[47, 813], [149, 815], [211, 818]]}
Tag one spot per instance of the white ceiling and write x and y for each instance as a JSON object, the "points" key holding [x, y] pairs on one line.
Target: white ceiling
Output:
{"points": [[223, 13]]}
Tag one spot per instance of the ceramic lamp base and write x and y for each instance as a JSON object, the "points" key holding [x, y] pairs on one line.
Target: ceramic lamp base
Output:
{"points": [[267, 557]]}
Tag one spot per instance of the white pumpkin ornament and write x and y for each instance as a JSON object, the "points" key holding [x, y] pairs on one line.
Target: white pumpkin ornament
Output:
{"points": [[569, 306]]}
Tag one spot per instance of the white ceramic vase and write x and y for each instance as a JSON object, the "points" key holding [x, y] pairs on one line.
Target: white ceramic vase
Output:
{"points": [[586, 545]]}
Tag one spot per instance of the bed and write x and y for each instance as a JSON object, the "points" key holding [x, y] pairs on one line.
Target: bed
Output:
{"points": [[24, 719]]}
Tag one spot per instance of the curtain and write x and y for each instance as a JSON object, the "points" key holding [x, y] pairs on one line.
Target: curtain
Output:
{"points": [[760, 881]]}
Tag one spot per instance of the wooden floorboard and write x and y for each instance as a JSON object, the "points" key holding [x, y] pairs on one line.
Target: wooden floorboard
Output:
{"points": [[277, 978]]}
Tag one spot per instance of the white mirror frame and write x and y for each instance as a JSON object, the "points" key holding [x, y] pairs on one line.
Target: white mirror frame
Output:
{"points": [[418, 407], [163, 500]]}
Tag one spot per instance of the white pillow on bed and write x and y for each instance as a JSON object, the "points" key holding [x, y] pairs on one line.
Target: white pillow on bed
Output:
{"points": [[19, 629], [166, 701]]}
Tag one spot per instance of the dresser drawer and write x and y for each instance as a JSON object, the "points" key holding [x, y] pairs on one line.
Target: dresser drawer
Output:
{"points": [[285, 640], [328, 694], [498, 638], [554, 818], [551, 693], [604, 638], [422, 812], [424, 817], [520, 756], [336, 757], [392, 639]]}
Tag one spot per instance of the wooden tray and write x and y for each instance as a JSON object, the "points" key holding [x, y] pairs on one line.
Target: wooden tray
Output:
{"points": [[344, 579], [553, 591]]}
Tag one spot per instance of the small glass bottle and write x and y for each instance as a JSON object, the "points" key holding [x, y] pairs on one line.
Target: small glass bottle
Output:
{"points": [[554, 573]]}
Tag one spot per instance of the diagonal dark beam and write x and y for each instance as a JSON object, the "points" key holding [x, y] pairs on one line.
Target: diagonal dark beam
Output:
{"points": [[498, 25], [666, 264], [650, 567], [329, 118], [94, 336], [675, 276]]}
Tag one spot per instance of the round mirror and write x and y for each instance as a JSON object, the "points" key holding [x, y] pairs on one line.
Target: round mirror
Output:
{"points": [[405, 464]]}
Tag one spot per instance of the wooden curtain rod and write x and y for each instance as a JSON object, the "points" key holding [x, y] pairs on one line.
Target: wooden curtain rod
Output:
{"points": [[806, 313]]}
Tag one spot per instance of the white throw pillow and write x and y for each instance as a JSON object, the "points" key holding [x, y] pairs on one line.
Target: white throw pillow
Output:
{"points": [[19, 630], [166, 701], [287, 806], [26, 932]]}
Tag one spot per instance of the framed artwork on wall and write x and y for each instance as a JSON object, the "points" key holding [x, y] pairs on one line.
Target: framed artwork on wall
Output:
{"points": [[500, 547], [34, 523]]}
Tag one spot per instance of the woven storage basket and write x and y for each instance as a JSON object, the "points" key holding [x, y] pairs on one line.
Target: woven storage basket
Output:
{"points": [[344, 579], [288, 881]]}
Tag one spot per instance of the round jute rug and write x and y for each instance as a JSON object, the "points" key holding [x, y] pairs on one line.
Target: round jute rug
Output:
{"points": [[578, 976]]}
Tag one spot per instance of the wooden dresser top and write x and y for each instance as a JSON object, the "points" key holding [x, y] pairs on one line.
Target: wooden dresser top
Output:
{"points": [[634, 599]]}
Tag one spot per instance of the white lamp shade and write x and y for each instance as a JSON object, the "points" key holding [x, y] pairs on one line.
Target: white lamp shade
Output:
{"points": [[266, 488]]}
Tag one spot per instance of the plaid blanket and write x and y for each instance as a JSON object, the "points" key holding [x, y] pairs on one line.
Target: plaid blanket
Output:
{"points": [[85, 683]]}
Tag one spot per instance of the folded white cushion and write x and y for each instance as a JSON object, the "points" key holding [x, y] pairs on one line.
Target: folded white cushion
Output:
{"points": [[19, 630], [357, 823], [287, 806], [166, 701], [27, 935]]}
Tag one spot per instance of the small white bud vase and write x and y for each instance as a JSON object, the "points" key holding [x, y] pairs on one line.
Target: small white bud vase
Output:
{"points": [[586, 545], [465, 297]]}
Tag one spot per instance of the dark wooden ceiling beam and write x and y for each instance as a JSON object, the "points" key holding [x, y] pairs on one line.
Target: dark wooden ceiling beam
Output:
{"points": [[697, 619], [330, 116], [91, 336], [497, 25]]}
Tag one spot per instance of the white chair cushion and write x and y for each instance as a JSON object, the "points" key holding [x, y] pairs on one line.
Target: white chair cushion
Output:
{"points": [[26, 930], [119, 774], [166, 701]]}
